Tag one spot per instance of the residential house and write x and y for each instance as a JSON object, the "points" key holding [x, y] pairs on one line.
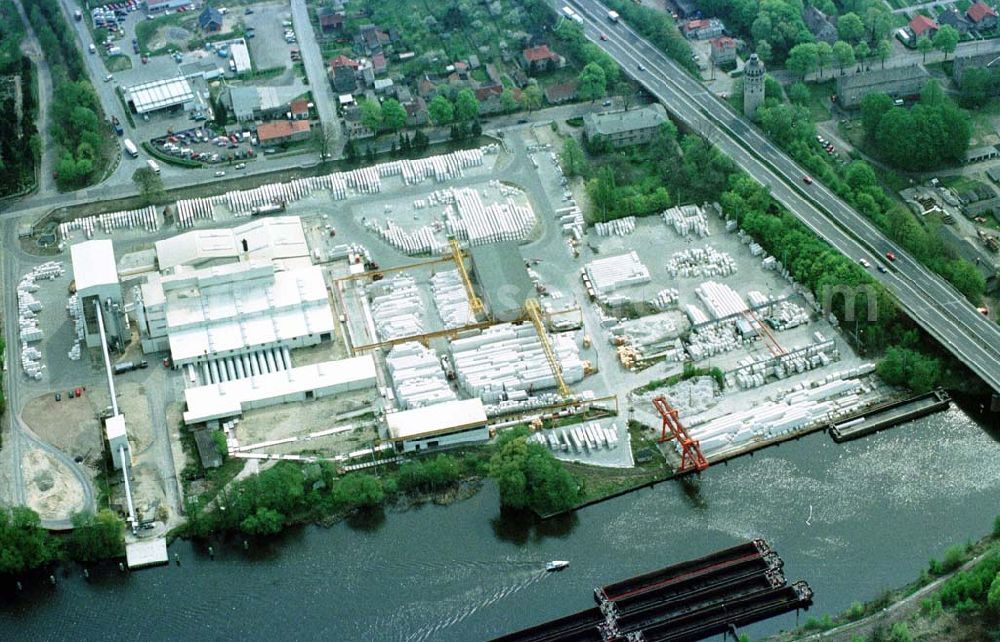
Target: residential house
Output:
{"points": [[519, 77], [474, 62], [820, 25], [686, 8], [490, 99], [922, 26], [982, 15], [539, 59], [426, 88], [378, 63], [344, 79], [330, 22], [383, 85], [623, 128], [723, 50], [282, 131], [898, 82], [370, 39], [703, 29], [492, 73], [403, 94], [210, 20], [560, 93], [416, 112], [352, 124], [299, 109], [955, 18], [244, 102]]}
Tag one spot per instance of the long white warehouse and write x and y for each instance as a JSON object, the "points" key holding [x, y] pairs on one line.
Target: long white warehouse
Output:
{"points": [[438, 426]]}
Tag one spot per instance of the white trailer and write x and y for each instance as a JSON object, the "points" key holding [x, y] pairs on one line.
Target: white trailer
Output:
{"points": [[153, 165], [613, 16], [130, 147]]}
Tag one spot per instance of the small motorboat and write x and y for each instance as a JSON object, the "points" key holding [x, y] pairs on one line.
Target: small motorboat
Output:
{"points": [[556, 565]]}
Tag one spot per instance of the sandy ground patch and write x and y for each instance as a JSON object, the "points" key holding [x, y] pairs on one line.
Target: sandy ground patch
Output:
{"points": [[133, 404], [52, 491], [301, 418], [71, 425]]}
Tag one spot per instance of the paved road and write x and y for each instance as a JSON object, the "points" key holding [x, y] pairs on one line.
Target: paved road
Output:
{"points": [[312, 59], [927, 298]]}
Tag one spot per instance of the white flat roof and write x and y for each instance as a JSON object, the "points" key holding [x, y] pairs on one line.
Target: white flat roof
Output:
{"points": [[115, 427], [278, 237], [159, 94], [147, 553], [241, 57], [439, 419], [227, 399], [93, 264]]}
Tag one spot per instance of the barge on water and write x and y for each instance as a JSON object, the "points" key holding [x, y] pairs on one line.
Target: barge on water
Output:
{"points": [[690, 600], [889, 414]]}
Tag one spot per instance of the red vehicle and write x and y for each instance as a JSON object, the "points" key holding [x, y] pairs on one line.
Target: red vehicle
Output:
{"points": [[78, 391], [889, 255], [807, 179]]}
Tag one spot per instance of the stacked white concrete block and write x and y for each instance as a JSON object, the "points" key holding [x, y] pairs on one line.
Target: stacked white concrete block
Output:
{"points": [[73, 309], [753, 373], [650, 334], [701, 261], [417, 377], [451, 299], [423, 240], [484, 224], [720, 299], [617, 227], [581, 438], [616, 272], [687, 220], [712, 340], [571, 220], [396, 307], [506, 360], [665, 299], [785, 315], [519, 402]]}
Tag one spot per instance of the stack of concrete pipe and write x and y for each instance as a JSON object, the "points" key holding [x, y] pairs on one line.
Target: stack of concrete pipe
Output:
{"points": [[519, 401], [191, 209], [687, 220], [145, 218], [720, 299], [451, 299], [617, 227], [396, 307], [507, 358], [417, 376], [495, 222], [365, 180], [701, 262]]}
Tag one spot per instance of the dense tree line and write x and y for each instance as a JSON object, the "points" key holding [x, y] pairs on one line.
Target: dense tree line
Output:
{"points": [[932, 133], [25, 545], [979, 84], [530, 477], [20, 145], [77, 125]]}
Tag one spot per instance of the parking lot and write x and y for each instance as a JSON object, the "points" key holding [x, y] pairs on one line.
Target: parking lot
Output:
{"points": [[268, 48], [199, 143]]}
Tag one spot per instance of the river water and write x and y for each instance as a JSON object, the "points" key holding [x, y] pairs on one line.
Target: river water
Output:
{"points": [[851, 519]]}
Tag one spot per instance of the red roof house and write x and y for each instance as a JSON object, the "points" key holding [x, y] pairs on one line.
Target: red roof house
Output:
{"points": [[923, 26], [539, 58], [983, 15]]}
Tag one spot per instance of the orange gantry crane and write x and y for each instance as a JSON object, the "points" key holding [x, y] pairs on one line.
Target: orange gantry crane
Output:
{"points": [[672, 428]]}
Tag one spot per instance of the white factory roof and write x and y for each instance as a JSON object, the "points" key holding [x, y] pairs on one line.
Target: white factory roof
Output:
{"points": [[159, 94], [227, 399], [239, 305], [93, 264], [439, 419], [272, 238], [114, 427], [241, 57]]}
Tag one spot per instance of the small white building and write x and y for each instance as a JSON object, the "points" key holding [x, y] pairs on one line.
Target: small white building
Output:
{"points": [[96, 279], [442, 425], [160, 94], [241, 57], [114, 431]]}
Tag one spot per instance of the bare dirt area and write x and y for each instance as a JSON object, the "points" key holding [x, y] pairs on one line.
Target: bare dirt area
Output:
{"points": [[301, 419], [52, 491], [151, 502], [71, 425], [133, 404], [169, 35], [323, 351]]}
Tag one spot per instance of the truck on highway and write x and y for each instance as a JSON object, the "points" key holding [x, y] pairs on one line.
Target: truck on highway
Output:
{"points": [[572, 15], [613, 16], [78, 15], [129, 366], [117, 125], [130, 147], [153, 165]]}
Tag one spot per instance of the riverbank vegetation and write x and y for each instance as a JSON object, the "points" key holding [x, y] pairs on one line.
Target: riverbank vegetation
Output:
{"points": [[86, 145], [26, 546]]}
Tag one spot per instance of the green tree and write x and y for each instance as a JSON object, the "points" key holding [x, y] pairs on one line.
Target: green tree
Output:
{"points": [[843, 53], [924, 46], [977, 87], [850, 28], [946, 40], [351, 151], [532, 96], [96, 537], [764, 51], [591, 83], [149, 183], [993, 596], [574, 163], [873, 107], [824, 55], [420, 140], [508, 103], [393, 115], [803, 59], [878, 21], [466, 106], [24, 544], [441, 110], [862, 52], [358, 490], [264, 521], [906, 367], [529, 477], [883, 51], [371, 115], [799, 94]]}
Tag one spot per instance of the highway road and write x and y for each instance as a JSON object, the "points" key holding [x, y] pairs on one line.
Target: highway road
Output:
{"points": [[927, 298], [312, 60]]}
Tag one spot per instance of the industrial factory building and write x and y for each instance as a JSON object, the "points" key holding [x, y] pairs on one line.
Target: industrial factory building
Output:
{"points": [[439, 426], [259, 388], [279, 239], [96, 280], [160, 94], [234, 309], [499, 268]]}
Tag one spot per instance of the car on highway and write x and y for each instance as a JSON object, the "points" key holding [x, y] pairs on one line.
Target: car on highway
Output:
{"points": [[889, 255], [220, 173], [109, 78], [641, 68], [807, 179], [864, 263], [240, 166], [882, 269], [604, 36], [606, 103]]}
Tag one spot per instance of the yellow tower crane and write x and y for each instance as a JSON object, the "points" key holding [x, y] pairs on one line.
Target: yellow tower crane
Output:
{"points": [[534, 312], [475, 303]]}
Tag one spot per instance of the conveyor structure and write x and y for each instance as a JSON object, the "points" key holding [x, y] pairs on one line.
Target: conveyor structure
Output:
{"points": [[475, 303], [534, 312]]}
